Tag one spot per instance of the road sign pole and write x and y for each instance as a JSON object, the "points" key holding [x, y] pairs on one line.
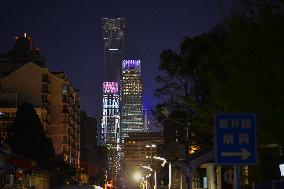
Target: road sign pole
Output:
{"points": [[237, 177]]}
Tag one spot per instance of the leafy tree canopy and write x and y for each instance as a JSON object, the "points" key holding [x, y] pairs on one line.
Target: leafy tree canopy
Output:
{"points": [[28, 137], [235, 67]]}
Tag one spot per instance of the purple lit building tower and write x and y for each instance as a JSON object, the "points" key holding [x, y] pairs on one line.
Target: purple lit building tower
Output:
{"points": [[111, 115], [113, 38]]}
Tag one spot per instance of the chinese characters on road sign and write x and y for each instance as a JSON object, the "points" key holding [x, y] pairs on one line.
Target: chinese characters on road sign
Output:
{"points": [[235, 139]]}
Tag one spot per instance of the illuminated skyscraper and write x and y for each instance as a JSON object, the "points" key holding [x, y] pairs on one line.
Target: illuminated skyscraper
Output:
{"points": [[113, 33], [113, 37], [111, 116], [132, 115]]}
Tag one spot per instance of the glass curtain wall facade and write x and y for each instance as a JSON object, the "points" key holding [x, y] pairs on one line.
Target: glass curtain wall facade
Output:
{"points": [[113, 34], [132, 115], [113, 38], [111, 115]]}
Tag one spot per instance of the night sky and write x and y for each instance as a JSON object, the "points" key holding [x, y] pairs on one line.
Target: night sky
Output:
{"points": [[69, 34]]}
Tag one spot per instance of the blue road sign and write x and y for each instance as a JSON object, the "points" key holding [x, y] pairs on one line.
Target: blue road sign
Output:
{"points": [[235, 138]]}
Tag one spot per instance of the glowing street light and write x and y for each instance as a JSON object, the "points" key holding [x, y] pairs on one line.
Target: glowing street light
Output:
{"points": [[155, 174], [137, 176], [162, 159], [147, 167], [170, 168]]}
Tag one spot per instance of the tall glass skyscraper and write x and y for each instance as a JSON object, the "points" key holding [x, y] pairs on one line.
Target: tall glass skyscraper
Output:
{"points": [[132, 114], [113, 37], [113, 33], [111, 115]]}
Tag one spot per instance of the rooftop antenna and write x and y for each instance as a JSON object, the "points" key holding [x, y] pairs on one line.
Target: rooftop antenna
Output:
{"points": [[25, 27]]}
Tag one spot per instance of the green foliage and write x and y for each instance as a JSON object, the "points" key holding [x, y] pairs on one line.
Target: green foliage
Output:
{"points": [[235, 67], [28, 136], [253, 62]]}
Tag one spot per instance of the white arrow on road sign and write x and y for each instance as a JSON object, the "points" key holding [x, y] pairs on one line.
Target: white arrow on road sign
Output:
{"points": [[244, 154]]}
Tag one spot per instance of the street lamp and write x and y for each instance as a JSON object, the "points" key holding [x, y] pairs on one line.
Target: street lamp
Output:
{"points": [[137, 176], [147, 176], [155, 174], [170, 169], [162, 159], [147, 167]]}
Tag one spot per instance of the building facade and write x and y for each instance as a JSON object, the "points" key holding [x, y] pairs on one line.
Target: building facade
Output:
{"points": [[140, 147], [23, 52], [113, 38], [28, 82], [89, 149], [132, 114], [111, 115], [88, 137]]}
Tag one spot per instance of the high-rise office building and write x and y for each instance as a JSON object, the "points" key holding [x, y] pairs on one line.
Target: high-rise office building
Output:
{"points": [[139, 149], [145, 146], [111, 116], [113, 37], [113, 33], [132, 115]]}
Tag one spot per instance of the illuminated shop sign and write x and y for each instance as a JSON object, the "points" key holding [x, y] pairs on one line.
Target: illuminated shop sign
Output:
{"points": [[110, 87], [131, 65]]}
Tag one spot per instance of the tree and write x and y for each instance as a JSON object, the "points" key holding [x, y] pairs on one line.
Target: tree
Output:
{"points": [[184, 91], [235, 67], [28, 137], [253, 65]]}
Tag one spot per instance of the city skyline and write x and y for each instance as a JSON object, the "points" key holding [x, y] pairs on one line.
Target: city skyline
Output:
{"points": [[76, 45], [150, 95]]}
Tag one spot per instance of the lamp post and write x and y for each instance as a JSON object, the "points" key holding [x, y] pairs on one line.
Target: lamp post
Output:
{"points": [[170, 169], [155, 175], [137, 176], [170, 175], [147, 176], [144, 183]]}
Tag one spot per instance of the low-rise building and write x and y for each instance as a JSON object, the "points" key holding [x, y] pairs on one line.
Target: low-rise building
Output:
{"points": [[140, 147], [53, 93], [25, 79]]}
